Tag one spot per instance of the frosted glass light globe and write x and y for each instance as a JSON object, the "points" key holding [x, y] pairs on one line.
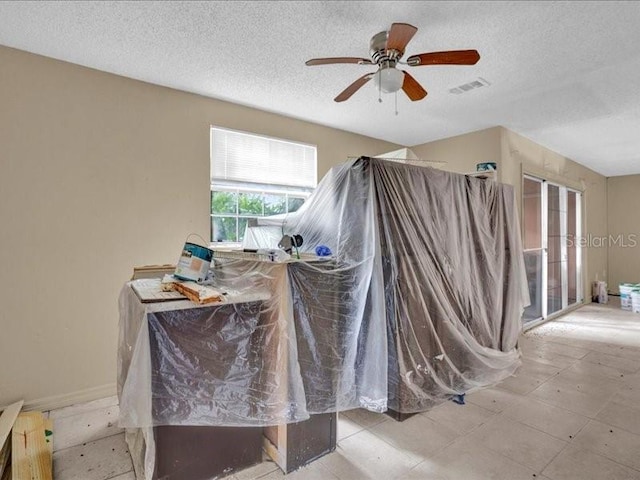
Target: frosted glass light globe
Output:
{"points": [[389, 79]]}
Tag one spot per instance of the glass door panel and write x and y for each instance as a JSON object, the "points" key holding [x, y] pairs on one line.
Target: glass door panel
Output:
{"points": [[572, 288], [573, 250], [533, 246], [556, 237]]}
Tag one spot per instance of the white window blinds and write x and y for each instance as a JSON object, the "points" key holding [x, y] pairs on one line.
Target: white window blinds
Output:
{"points": [[243, 157]]}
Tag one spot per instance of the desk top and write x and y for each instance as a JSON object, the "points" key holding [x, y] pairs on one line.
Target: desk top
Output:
{"points": [[167, 301]]}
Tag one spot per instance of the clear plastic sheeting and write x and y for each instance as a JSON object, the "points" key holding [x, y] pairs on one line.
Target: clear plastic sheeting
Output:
{"points": [[447, 254], [421, 300], [229, 364]]}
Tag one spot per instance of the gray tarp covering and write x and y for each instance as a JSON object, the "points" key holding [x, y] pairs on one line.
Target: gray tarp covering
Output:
{"points": [[421, 300], [454, 280], [447, 254]]}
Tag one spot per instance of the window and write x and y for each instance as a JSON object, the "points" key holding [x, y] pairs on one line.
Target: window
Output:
{"points": [[254, 176]]}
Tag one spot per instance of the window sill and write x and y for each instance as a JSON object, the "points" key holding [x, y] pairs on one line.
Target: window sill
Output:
{"points": [[226, 246]]}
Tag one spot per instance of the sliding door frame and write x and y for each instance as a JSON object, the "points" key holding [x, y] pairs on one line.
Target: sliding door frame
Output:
{"points": [[543, 243], [579, 272], [544, 215]]}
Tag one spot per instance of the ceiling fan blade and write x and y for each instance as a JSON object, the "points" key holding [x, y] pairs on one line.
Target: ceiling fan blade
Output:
{"points": [[399, 35], [453, 57], [330, 61], [354, 87], [412, 88]]}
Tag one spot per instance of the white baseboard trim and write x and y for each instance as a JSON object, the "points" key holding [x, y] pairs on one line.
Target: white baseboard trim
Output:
{"points": [[67, 399]]}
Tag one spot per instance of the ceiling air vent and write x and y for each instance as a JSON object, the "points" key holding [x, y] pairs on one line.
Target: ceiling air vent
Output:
{"points": [[480, 82]]}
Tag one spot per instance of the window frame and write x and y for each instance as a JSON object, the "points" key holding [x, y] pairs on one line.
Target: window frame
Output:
{"points": [[240, 187]]}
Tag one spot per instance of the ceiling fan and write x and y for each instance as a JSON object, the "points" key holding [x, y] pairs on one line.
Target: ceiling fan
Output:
{"points": [[386, 49]]}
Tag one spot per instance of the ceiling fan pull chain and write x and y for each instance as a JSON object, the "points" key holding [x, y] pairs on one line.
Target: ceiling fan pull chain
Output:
{"points": [[379, 86], [396, 102]]}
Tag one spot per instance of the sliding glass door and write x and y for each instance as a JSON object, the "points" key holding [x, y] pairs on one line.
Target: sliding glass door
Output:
{"points": [[552, 253], [534, 252], [556, 248]]}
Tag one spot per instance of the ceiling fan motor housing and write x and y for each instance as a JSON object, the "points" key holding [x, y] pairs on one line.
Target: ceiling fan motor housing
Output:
{"points": [[388, 79], [379, 53]]}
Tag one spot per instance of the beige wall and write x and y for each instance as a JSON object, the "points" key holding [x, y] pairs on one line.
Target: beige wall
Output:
{"points": [[462, 153], [624, 226], [99, 173], [521, 155]]}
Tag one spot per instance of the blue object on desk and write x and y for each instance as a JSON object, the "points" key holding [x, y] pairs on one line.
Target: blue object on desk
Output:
{"points": [[486, 166], [323, 251]]}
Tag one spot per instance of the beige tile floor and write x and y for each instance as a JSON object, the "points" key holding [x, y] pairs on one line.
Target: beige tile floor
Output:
{"points": [[571, 412]]}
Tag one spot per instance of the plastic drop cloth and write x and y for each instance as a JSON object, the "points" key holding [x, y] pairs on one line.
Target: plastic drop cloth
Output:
{"points": [[446, 251], [455, 284], [232, 364], [421, 299]]}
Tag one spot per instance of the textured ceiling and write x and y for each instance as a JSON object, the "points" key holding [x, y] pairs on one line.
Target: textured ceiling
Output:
{"points": [[564, 74]]}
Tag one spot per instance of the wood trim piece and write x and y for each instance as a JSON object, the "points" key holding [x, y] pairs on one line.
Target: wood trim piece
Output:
{"points": [[274, 453], [31, 457], [277, 450], [8, 418], [152, 271]]}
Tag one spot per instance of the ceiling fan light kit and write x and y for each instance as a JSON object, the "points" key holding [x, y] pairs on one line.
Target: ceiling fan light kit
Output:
{"points": [[386, 50], [389, 79]]}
